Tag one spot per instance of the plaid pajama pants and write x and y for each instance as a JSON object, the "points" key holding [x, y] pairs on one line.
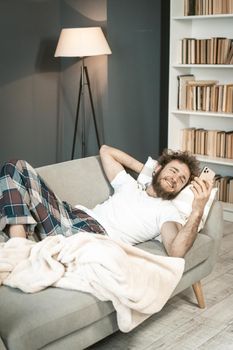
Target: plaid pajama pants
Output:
{"points": [[26, 199]]}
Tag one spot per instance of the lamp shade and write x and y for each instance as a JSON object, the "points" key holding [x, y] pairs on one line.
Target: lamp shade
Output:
{"points": [[81, 42]]}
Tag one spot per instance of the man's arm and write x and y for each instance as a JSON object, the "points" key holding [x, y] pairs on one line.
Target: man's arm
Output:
{"points": [[178, 239], [114, 161]]}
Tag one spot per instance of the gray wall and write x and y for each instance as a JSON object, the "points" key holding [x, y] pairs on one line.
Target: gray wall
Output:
{"points": [[134, 76], [28, 80], [38, 93]]}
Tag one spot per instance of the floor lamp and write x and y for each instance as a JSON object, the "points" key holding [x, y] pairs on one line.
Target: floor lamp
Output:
{"points": [[82, 42]]}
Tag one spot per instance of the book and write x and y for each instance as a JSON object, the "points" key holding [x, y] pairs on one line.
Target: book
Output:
{"points": [[189, 7], [207, 106], [222, 151], [229, 99], [184, 50], [230, 191], [226, 48], [188, 140], [228, 182], [192, 51], [203, 141], [198, 51], [225, 94], [220, 98], [218, 143], [189, 97], [212, 143], [229, 54], [207, 7], [182, 91], [214, 98], [199, 98], [197, 145], [229, 145], [202, 82], [225, 188]]}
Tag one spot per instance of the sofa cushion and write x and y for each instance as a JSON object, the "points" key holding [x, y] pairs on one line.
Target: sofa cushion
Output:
{"points": [[33, 320], [200, 251], [80, 181]]}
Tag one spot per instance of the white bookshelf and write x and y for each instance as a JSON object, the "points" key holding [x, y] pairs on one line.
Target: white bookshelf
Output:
{"points": [[198, 27]]}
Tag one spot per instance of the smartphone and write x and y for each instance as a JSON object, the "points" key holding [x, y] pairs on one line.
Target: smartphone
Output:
{"points": [[207, 174]]}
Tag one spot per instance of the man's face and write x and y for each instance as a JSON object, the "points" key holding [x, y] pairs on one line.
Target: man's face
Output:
{"points": [[170, 180]]}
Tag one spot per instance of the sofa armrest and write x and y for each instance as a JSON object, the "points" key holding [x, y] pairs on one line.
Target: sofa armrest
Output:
{"points": [[3, 237], [214, 223], [214, 227]]}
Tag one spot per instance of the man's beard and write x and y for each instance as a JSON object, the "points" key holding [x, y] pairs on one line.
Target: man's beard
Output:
{"points": [[160, 191]]}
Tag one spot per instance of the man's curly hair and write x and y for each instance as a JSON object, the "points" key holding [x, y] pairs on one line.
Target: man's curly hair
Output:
{"points": [[182, 156]]}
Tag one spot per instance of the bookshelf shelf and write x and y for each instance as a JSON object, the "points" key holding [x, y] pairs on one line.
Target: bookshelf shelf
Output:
{"points": [[227, 211], [227, 206], [202, 17], [202, 113], [199, 27], [215, 66], [215, 160]]}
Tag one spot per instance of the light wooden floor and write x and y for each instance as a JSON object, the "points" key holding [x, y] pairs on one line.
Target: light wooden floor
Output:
{"points": [[181, 325]]}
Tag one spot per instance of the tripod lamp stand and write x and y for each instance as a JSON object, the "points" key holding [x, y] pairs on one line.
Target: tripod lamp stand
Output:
{"points": [[82, 42]]}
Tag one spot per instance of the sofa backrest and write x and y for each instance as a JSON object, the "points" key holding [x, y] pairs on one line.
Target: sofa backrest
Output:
{"points": [[79, 181]]}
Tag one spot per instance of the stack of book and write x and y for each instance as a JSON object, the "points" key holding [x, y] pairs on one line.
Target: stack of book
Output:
{"points": [[214, 143], [216, 50], [225, 188], [207, 7], [204, 95]]}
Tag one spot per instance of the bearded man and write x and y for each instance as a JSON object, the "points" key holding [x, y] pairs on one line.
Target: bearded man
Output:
{"points": [[131, 214]]}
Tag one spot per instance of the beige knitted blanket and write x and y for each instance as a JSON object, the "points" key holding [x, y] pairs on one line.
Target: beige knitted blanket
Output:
{"points": [[138, 283]]}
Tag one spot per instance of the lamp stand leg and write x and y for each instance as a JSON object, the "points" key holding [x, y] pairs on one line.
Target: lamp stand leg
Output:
{"points": [[92, 105], [84, 74], [81, 85]]}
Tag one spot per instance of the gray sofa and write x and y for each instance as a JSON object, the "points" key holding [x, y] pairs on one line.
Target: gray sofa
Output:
{"points": [[62, 319]]}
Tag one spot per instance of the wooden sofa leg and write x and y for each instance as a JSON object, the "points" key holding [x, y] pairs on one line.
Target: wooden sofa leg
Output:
{"points": [[197, 288]]}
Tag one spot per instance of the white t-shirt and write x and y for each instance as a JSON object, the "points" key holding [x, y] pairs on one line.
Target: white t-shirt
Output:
{"points": [[130, 214]]}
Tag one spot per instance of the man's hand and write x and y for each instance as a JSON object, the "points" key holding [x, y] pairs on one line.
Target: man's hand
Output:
{"points": [[201, 190]]}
